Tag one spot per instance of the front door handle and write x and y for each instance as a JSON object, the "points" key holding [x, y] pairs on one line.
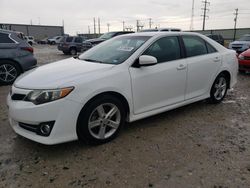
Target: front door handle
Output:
{"points": [[181, 67]]}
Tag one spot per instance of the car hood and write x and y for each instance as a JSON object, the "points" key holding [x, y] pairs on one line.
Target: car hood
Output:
{"points": [[97, 40], [240, 42], [59, 74]]}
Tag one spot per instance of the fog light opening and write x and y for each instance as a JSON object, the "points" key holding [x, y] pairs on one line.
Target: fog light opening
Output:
{"points": [[45, 128]]}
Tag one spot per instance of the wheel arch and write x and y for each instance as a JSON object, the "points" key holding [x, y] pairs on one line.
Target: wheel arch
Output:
{"points": [[14, 61], [228, 77], [114, 94]]}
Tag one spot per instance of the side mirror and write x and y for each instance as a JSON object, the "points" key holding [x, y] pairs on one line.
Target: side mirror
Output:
{"points": [[147, 60]]}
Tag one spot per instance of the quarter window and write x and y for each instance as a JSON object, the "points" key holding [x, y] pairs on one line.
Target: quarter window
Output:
{"points": [[4, 38], [69, 39], [165, 49], [210, 48], [194, 46]]}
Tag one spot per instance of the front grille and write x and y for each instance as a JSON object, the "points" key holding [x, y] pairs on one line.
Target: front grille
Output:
{"points": [[247, 58], [236, 47], [29, 127], [17, 97]]}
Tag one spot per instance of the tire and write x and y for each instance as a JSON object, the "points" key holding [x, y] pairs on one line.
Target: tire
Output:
{"points": [[72, 51], [93, 128], [9, 71], [53, 42], [219, 89]]}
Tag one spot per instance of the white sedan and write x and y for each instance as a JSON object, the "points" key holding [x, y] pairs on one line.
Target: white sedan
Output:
{"points": [[127, 78]]}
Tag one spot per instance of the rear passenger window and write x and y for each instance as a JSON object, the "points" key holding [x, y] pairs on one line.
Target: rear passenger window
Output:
{"points": [[165, 49], [194, 46], [78, 40], [4, 38], [69, 39]]}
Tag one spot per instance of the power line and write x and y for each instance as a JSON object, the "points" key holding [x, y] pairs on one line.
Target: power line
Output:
{"points": [[205, 9]]}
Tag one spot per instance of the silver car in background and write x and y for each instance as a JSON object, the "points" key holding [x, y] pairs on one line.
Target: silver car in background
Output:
{"points": [[16, 56]]}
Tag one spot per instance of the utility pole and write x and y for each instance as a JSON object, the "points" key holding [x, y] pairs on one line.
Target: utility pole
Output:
{"points": [[31, 22], [123, 25], [137, 25], [94, 27], [99, 26], [150, 23], [108, 26], [88, 29], [192, 17], [205, 9], [235, 21]]}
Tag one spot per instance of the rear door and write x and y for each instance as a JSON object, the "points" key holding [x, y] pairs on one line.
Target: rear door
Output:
{"points": [[203, 62], [78, 43]]}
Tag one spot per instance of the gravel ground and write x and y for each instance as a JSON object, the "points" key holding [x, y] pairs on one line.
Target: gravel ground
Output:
{"points": [[199, 145]]}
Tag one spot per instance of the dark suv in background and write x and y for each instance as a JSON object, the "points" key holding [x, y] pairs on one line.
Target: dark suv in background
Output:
{"points": [[16, 56], [92, 42], [71, 45], [217, 38]]}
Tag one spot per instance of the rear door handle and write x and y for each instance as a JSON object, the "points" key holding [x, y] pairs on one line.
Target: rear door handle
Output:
{"points": [[181, 67]]}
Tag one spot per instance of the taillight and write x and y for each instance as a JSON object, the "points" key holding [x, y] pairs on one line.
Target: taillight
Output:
{"points": [[29, 49]]}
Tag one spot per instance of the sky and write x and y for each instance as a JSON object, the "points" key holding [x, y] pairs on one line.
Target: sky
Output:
{"points": [[77, 15]]}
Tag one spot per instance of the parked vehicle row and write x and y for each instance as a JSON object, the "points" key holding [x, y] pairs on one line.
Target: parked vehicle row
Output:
{"points": [[125, 78]]}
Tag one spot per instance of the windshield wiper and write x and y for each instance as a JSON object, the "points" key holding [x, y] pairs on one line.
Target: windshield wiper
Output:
{"points": [[92, 60]]}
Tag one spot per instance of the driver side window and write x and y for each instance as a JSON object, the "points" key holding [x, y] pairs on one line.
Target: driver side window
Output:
{"points": [[165, 49]]}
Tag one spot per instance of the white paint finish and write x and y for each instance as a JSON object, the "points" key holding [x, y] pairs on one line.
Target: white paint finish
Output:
{"points": [[158, 85], [148, 90], [201, 73]]}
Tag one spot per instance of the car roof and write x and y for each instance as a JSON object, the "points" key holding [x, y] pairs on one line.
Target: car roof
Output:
{"points": [[151, 34]]}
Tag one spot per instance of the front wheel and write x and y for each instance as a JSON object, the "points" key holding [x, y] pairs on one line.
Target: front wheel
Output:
{"points": [[219, 89], [101, 120]]}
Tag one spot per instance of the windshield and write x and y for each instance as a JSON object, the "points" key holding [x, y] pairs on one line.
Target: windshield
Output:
{"points": [[244, 38], [107, 35], [114, 51]]}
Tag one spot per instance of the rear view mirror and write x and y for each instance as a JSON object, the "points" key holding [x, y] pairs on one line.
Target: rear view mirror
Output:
{"points": [[147, 60]]}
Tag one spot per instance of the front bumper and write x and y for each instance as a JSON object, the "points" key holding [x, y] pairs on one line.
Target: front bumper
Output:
{"points": [[65, 119]]}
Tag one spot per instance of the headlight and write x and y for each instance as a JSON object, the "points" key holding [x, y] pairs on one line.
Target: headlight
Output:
{"points": [[44, 96], [241, 57]]}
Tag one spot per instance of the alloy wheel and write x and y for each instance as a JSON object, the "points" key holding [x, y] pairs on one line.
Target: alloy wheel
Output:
{"points": [[104, 121], [8, 73], [220, 88]]}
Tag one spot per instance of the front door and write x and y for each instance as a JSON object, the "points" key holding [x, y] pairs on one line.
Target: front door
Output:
{"points": [[162, 84]]}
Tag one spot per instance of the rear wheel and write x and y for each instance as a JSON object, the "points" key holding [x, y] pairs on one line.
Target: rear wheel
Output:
{"points": [[72, 51], [219, 89], [9, 71], [101, 120]]}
